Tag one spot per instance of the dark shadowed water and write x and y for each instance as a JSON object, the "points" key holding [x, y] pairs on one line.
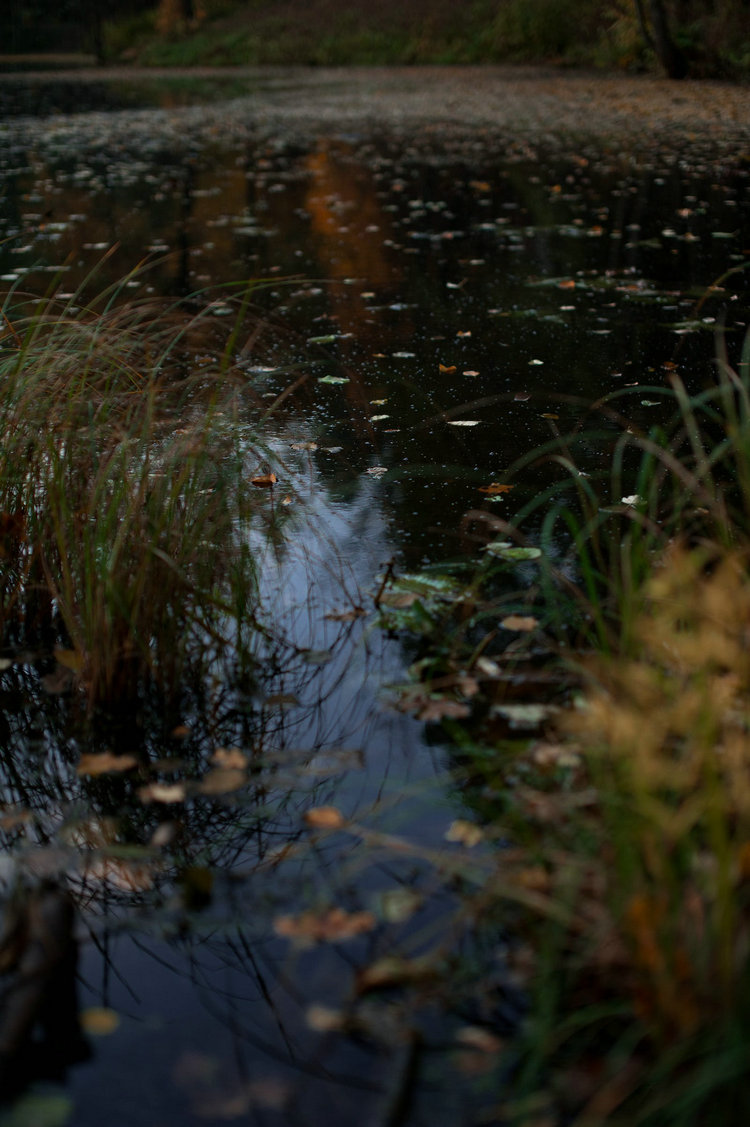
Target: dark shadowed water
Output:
{"points": [[445, 303]]}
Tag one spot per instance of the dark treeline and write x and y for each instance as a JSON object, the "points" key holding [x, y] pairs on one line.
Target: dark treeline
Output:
{"points": [[683, 37]]}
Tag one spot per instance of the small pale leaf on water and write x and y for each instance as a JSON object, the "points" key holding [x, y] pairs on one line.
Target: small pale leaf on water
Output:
{"points": [[264, 480], [333, 379], [105, 763], [471, 372], [99, 1021], [162, 792], [399, 904], [521, 396], [322, 1019], [463, 422], [535, 362], [377, 471], [378, 418], [520, 622], [465, 833], [324, 818], [522, 716]]}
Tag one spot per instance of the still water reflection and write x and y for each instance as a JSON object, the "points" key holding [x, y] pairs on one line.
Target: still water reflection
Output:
{"points": [[440, 306]]}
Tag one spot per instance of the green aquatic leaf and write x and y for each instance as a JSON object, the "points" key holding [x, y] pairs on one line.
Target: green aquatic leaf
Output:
{"points": [[333, 379], [48, 1107], [506, 551]]}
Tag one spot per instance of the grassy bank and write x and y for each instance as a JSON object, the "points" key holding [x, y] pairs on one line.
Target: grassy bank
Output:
{"points": [[621, 779]]}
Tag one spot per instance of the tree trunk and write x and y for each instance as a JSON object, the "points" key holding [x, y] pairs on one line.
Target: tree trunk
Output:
{"points": [[668, 53]]}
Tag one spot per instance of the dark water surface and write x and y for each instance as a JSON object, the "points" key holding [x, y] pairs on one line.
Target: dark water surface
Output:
{"points": [[444, 303]]}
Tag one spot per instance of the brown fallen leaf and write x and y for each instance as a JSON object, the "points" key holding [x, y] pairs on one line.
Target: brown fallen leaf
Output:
{"points": [[393, 970], [522, 622], [332, 926], [230, 757], [105, 763], [324, 818], [345, 615], [437, 709], [223, 780], [264, 480], [447, 369], [495, 487]]}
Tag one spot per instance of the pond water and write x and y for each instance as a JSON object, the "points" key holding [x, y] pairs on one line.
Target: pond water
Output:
{"points": [[442, 304]]}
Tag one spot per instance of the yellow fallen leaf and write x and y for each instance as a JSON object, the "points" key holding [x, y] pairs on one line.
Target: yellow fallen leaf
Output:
{"points": [[99, 1021], [465, 833]]}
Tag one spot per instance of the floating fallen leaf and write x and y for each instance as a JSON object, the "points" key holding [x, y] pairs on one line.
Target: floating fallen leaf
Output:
{"points": [[471, 372], [105, 763], [467, 333], [162, 792], [495, 487], [535, 362], [332, 926], [222, 780], [230, 757], [322, 1019], [264, 481], [567, 284], [519, 622], [465, 833], [399, 904], [523, 716], [377, 471], [438, 709], [378, 418], [5, 663], [392, 970], [447, 369], [99, 1021], [333, 379], [521, 396], [345, 615], [304, 446], [475, 1037], [70, 659], [324, 818], [463, 422], [549, 415], [504, 551]]}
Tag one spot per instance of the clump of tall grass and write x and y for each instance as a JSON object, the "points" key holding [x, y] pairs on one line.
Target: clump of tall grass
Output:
{"points": [[125, 497]]}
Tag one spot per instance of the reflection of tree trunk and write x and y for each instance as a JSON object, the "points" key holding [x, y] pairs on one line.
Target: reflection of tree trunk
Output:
{"points": [[668, 53], [96, 24]]}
